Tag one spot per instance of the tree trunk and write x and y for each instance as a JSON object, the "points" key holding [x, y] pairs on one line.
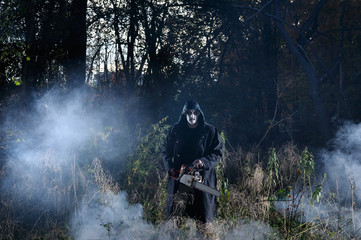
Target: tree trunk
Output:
{"points": [[3, 84], [76, 44], [314, 83], [27, 74]]}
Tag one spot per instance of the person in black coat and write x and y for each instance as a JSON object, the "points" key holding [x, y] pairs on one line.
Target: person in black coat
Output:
{"points": [[193, 142]]}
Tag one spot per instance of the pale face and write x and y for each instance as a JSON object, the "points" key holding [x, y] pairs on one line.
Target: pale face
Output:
{"points": [[192, 116]]}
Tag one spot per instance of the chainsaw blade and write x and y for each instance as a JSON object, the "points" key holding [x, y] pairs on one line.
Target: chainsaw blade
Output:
{"points": [[205, 188], [188, 180]]}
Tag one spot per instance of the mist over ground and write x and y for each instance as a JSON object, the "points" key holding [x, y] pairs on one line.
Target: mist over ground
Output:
{"points": [[46, 153], [340, 168], [49, 146], [49, 150], [343, 162]]}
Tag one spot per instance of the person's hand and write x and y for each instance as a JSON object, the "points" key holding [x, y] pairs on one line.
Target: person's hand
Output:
{"points": [[171, 172], [198, 164]]}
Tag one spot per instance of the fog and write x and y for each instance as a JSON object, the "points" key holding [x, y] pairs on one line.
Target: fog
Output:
{"points": [[109, 216], [50, 148], [343, 162], [340, 165]]}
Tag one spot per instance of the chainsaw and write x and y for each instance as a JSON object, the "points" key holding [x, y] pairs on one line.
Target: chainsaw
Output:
{"points": [[192, 178]]}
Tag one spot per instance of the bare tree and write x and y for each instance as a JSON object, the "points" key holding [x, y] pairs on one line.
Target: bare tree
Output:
{"points": [[298, 50]]}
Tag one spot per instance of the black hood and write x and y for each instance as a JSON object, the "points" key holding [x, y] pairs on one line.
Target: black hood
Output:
{"points": [[191, 105]]}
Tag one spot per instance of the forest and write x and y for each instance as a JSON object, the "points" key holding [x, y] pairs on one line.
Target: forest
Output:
{"points": [[90, 88]]}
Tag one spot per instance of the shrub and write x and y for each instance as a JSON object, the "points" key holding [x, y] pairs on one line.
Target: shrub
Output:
{"points": [[144, 177]]}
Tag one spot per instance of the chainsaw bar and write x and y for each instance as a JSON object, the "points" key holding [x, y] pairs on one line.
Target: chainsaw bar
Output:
{"points": [[188, 180], [205, 188]]}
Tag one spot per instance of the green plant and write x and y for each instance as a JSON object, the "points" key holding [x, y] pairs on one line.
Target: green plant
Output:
{"points": [[223, 206], [144, 177], [272, 172]]}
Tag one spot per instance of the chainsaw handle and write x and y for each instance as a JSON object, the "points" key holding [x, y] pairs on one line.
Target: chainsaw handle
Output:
{"points": [[185, 169], [182, 171]]}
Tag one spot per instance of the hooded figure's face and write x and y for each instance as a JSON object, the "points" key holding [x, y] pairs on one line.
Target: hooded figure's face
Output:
{"points": [[192, 117]]}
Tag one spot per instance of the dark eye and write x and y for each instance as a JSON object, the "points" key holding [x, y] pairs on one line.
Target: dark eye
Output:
{"points": [[188, 112]]}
